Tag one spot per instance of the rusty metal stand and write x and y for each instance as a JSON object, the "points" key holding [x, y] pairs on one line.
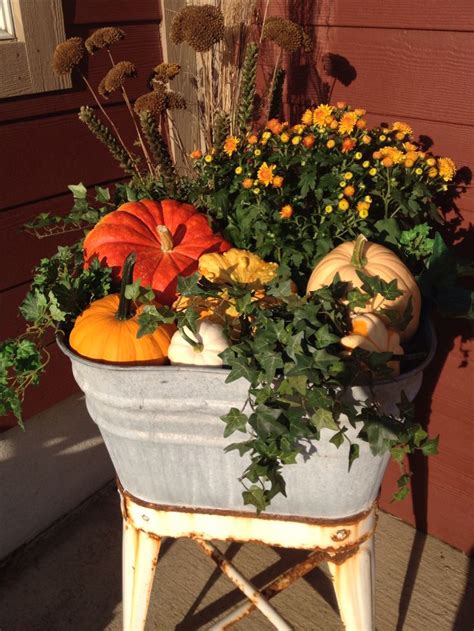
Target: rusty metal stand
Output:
{"points": [[347, 545]]}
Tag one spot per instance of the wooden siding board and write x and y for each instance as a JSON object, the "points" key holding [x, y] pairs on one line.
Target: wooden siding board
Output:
{"points": [[111, 12], [65, 152], [412, 73], [140, 46], [457, 15]]}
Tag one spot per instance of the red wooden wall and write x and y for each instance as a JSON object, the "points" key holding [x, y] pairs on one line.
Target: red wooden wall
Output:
{"points": [[410, 60], [45, 147]]}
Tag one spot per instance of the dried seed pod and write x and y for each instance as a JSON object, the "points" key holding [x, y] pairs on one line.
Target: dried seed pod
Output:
{"points": [[103, 38], [200, 26], [287, 34], [67, 55], [116, 76], [166, 72], [153, 102], [175, 101]]}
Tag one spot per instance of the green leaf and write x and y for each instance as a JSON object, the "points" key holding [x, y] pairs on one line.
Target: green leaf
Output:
{"points": [[256, 497], [132, 291], [337, 439], [353, 454], [390, 228], [189, 285], [235, 421], [79, 191], [324, 337], [324, 418], [430, 446]]}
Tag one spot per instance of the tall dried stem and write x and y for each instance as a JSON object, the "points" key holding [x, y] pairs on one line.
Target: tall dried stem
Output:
{"points": [[109, 120], [139, 136]]}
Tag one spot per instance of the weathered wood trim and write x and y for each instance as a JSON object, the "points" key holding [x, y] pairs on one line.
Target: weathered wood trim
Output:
{"points": [[25, 64]]}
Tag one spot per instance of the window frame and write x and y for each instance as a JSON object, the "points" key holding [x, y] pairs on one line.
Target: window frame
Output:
{"points": [[25, 61]]}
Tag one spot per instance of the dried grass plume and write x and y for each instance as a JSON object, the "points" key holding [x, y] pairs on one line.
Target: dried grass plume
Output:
{"points": [[67, 55]]}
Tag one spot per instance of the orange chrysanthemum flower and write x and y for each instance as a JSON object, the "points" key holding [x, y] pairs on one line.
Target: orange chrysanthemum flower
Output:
{"points": [[307, 118], [230, 145], [196, 154], [274, 126], [446, 168], [392, 153], [265, 174], [247, 183], [347, 123], [277, 181], [347, 145], [321, 113], [286, 212], [403, 128]]}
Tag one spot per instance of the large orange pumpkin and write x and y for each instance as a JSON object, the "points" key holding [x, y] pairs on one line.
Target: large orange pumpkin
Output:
{"points": [[375, 260], [167, 236], [107, 330]]}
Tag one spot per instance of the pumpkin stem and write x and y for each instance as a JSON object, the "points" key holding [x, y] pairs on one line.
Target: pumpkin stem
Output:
{"points": [[165, 238], [125, 309], [358, 259]]}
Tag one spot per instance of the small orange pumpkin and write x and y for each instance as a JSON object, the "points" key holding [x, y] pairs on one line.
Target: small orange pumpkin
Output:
{"points": [[375, 260], [107, 330]]}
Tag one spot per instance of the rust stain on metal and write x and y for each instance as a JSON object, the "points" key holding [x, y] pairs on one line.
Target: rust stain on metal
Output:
{"points": [[340, 534], [350, 520]]}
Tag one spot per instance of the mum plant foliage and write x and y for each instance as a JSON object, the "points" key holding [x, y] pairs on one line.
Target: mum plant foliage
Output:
{"points": [[283, 194]]}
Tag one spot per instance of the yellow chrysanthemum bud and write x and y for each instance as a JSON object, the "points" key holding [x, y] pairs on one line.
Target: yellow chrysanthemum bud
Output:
{"points": [[348, 175], [330, 143], [328, 209], [296, 140], [366, 164], [372, 171], [238, 170], [208, 158], [284, 137], [343, 204], [358, 155]]}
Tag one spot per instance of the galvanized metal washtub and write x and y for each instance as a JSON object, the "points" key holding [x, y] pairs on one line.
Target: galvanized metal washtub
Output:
{"points": [[162, 429]]}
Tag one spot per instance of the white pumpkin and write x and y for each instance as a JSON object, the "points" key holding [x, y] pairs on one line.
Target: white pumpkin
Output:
{"points": [[210, 341], [370, 333]]}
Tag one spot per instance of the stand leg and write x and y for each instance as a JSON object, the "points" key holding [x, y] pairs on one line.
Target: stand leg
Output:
{"points": [[354, 583], [139, 557]]}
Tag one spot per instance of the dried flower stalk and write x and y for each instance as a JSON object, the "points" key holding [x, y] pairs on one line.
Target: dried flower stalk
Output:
{"points": [[103, 133], [103, 38]]}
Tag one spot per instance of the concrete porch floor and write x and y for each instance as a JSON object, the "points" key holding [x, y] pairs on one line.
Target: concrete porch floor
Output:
{"points": [[69, 579]]}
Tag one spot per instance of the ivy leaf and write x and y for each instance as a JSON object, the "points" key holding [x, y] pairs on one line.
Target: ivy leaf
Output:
{"points": [[34, 306], [235, 421], [324, 337], [255, 496], [374, 285], [152, 318], [79, 191], [240, 367], [324, 418], [189, 285], [102, 194], [57, 314], [337, 439], [353, 454], [270, 362], [132, 291], [430, 446]]}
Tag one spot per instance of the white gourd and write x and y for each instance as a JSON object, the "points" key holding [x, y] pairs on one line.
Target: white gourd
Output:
{"points": [[370, 333], [210, 340]]}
